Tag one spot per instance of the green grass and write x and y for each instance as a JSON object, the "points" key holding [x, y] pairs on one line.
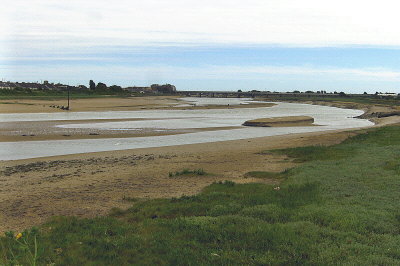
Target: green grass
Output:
{"points": [[311, 153], [340, 207], [267, 175]]}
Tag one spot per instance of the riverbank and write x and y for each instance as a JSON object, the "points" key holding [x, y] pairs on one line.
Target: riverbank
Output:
{"points": [[332, 209], [379, 113], [53, 182], [112, 103]]}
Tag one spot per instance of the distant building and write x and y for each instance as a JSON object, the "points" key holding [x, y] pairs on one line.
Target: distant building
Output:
{"points": [[138, 89], [166, 88], [388, 94], [34, 85]]}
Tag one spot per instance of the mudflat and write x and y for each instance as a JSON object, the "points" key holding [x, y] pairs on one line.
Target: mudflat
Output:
{"points": [[107, 104]]}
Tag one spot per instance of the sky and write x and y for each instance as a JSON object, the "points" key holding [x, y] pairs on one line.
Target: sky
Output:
{"points": [[276, 45]]}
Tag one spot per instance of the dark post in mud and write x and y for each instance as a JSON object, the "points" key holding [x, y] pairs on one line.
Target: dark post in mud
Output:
{"points": [[68, 98]]}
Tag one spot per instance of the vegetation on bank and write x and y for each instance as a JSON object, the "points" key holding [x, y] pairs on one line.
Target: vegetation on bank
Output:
{"points": [[371, 99], [42, 91], [26, 93], [339, 207], [197, 172]]}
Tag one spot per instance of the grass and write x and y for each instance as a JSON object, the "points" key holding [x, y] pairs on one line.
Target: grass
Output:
{"points": [[187, 172], [311, 153], [346, 99], [340, 207], [267, 175], [131, 199]]}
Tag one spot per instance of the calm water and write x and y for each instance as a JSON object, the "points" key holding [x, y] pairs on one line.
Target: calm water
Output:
{"points": [[329, 118]]}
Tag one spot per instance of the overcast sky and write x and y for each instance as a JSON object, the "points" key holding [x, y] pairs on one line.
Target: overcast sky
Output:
{"points": [[226, 45]]}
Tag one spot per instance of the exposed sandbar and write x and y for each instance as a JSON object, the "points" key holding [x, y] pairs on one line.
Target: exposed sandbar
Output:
{"points": [[287, 121]]}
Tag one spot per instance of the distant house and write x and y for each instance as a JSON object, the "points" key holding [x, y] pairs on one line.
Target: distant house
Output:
{"points": [[34, 85], [166, 88], [388, 94], [6, 85]]}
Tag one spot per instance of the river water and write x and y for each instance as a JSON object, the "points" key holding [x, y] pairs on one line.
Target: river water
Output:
{"points": [[327, 118]]}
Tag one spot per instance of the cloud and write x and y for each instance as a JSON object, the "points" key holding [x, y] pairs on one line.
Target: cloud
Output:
{"points": [[67, 23], [370, 73], [70, 33], [125, 75]]}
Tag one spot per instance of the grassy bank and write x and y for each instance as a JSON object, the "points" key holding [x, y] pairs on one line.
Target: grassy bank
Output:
{"points": [[53, 94], [339, 207], [373, 100]]}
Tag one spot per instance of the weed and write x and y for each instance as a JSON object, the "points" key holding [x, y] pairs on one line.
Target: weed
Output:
{"points": [[188, 172]]}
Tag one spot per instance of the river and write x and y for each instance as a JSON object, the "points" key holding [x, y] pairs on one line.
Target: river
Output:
{"points": [[327, 118]]}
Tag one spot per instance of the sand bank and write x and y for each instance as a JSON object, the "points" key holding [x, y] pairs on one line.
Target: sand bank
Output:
{"points": [[109, 104], [287, 121]]}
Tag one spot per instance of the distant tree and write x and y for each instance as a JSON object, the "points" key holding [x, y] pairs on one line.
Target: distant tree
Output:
{"points": [[101, 86], [92, 85], [115, 88], [239, 91], [342, 94], [309, 92], [365, 93]]}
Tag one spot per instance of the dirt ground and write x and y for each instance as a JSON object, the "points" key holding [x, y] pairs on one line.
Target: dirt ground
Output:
{"points": [[88, 185], [90, 104]]}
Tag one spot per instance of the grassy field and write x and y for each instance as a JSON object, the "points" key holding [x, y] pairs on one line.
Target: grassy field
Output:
{"points": [[340, 206]]}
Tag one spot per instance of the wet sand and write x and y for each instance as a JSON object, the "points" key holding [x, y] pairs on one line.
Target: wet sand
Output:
{"points": [[47, 130], [87, 104]]}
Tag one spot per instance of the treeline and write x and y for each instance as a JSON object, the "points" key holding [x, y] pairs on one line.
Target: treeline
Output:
{"points": [[102, 87], [19, 91], [47, 89]]}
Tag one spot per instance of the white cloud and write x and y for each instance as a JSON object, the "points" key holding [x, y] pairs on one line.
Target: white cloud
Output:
{"points": [[49, 24], [370, 73], [35, 30], [125, 75]]}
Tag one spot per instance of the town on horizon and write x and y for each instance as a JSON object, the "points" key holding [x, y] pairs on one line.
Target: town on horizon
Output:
{"points": [[166, 88]]}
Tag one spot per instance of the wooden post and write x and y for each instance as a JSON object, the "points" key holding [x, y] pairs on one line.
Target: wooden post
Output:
{"points": [[68, 98]]}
